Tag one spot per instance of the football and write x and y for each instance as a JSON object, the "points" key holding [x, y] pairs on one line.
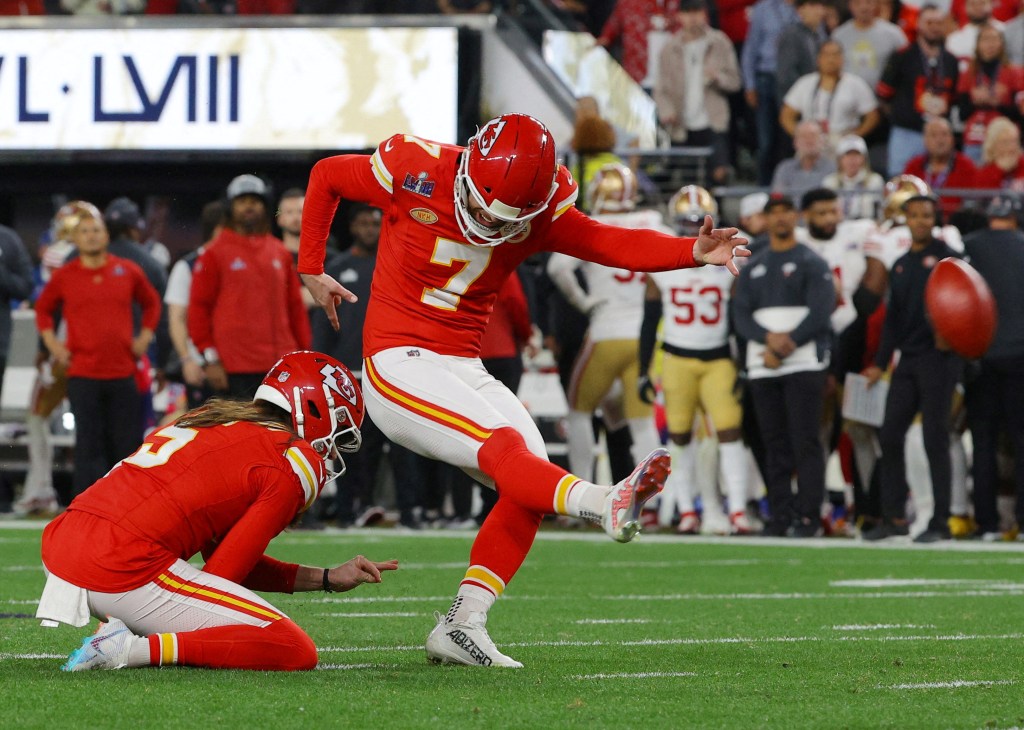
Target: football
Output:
{"points": [[961, 307]]}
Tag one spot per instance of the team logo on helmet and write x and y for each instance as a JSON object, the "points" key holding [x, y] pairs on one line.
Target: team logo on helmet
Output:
{"points": [[423, 215], [335, 379], [489, 135]]}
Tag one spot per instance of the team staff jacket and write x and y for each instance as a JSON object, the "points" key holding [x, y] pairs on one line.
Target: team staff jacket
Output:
{"points": [[906, 324], [246, 302], [97, 306], [223, 491], [431, 287], [795, 280]]}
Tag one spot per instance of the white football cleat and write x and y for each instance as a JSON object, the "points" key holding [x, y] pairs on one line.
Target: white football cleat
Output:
{"points": [[622, 507], [465, 643], [106, 649], [689, 524]]}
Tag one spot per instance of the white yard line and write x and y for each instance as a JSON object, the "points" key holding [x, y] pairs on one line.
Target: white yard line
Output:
{"points": [[925, 582], [879, 627], [602, 621], [322, 667], [634, 675], [4, 657], [397, 614], [955, 684]]}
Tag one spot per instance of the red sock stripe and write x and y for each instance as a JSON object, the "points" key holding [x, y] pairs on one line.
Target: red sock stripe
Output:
{"points": [[430, 411], [175, 584]]}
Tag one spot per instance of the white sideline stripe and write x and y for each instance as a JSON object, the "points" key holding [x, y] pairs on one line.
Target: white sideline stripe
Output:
{"points": [[924, 582], [22, 601], [635, 675], [876, 627], [383, 614], [32, 656], [955, 684], [695, 642], [354, 666], [725, 562], [22, 568], [613, 621], [796, 596]]}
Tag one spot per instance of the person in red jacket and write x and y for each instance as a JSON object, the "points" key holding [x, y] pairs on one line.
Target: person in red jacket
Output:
{"points": [[222, 480], [941, 166], [96, 292], [245, 306]]}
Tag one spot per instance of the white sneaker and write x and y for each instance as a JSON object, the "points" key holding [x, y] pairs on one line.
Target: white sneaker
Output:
{"points": [[106, 649], [465, 643], [621, 515]]}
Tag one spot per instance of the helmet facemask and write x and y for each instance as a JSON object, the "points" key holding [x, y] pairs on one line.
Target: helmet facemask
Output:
{"points": [[344, 435]]}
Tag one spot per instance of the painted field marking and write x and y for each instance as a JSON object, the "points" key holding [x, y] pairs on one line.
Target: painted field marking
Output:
{"points": [[601, 621], [926, 582], [345, 667], [383, 614], [878, 627], [4, 657], [955, 684], [22, 568], [633, 675], [692, 642]]}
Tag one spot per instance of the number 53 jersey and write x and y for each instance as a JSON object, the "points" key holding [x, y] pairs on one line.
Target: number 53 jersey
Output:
{"points": [[431, 287], [695, 305]]}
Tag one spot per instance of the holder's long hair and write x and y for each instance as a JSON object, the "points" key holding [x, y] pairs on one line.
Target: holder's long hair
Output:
{"points": [[220, 411]]}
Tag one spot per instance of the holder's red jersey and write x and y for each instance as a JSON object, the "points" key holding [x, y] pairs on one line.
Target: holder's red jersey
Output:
{"points": [[431, 287], [224, 491]]}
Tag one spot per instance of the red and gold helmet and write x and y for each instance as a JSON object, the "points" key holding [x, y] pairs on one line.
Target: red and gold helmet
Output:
{"points": [[324, 400], [898, 191], [613, 189], [508, 169], [687, 208]]}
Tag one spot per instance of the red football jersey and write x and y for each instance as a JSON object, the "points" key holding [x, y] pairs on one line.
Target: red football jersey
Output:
{"points": [[431, 287], [224, 491]]}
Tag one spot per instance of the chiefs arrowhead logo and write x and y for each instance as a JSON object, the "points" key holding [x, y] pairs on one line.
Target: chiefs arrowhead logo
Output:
{"points": [[487, 136]]}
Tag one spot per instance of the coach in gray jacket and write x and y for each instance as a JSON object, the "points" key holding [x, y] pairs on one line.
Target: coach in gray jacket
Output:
{"points": [[782, 306]]}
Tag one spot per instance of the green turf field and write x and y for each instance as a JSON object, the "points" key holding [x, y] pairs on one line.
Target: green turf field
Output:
{"points": [[662, 633]]}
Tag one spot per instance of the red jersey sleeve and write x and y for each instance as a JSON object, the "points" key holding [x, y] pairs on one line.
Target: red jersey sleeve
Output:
{"points": [[352, 177], [202, 298]]}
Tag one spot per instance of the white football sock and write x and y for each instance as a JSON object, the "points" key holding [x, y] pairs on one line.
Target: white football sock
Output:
{"points": [[580, 440], [469, 599], [732, 460]]}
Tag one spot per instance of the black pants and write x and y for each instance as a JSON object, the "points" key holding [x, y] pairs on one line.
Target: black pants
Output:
{"points": [[923, 382], [107, 425], [789, 416], [242, 386], [355, 486], [995, 404]]}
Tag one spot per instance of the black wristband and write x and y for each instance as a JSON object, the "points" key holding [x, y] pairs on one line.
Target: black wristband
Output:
{"points": [[327, 583]]}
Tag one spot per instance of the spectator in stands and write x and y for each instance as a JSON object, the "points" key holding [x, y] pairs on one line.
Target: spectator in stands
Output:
{"points": [[641, 27], [782, 306], [808, 168], [988, 88], [995, 399], [593, 141], [179, 286], [799, 44], [759, 63], [963, 41], [95, 293], [471, 7], [752, 221], [868, 41], [289, 222], [1002, 156], [697, 70], [1004, 10], [860, 189], [245, 310], [264, 7], [923, 380], [841, 103], [22, 7], [918, 82], [941, 166], [1013, 33]]}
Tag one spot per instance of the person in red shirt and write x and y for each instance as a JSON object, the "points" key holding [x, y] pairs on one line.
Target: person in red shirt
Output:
{"points": [[245, 306], [942, 166], [96, 292], [1003, 157], [457, 221], [222, 480]]}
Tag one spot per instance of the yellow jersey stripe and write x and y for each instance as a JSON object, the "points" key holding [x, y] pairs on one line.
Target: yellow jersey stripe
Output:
{"points": [[565, 485], [304, 470], [380, 172], [482, 575], [424, 408], [566, 204], [208, 594]]}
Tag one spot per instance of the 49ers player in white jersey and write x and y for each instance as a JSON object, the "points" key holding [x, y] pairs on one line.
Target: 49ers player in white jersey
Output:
{"points": [[456, 222], [891, 238], [614, 301], [697, 370]]}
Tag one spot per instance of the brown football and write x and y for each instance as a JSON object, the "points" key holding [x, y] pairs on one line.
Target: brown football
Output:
{"points": [[961, 307]]}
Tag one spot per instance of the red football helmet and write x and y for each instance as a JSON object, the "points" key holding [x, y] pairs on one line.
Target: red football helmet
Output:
{"points": [[323, 399], [508, 169]]}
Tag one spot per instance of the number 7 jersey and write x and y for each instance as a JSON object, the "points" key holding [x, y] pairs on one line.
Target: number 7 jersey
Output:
{"points": [[431, 288]]}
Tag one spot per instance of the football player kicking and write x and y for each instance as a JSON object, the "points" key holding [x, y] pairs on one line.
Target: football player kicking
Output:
{"points": [[456, 222], [223, 480]]}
